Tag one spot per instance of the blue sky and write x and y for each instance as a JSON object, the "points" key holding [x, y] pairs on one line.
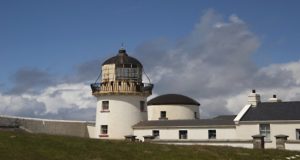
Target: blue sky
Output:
{"points": [[58, 36]]}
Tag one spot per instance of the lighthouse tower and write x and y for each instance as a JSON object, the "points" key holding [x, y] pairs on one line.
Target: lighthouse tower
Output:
{"points": [[121, 96]]}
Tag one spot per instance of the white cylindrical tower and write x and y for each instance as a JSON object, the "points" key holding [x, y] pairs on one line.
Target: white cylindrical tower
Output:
{"points": [[121, 96]]}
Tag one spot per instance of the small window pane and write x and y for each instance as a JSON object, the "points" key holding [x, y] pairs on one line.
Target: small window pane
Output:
{"points": [[212, 134], [196, 115], [105, 105], [298, 134], [183, 134], [142, 106], [155, 133], [104, 129], [128, 73], [163, 114]]}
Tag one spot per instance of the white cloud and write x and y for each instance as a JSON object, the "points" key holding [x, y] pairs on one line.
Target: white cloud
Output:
{"points": [[235, 19], [50, 101], [212, 64], [67, 96], [287, 90]]}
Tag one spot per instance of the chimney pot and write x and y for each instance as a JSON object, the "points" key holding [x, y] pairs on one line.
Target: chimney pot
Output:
{"points": [[274, 99], [253, 98]]}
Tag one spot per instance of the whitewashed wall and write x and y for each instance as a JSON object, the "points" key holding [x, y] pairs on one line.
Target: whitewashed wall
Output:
{"points": [[246, 131], [231, 144], [124, 112], [286, 129], [139, 133], [292, 146], [174, 112], [193, 133], [92, 131], [197, 136]]}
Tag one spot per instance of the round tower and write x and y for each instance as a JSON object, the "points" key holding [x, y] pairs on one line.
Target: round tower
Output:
{"points": [[121, 96], [173, 107]]}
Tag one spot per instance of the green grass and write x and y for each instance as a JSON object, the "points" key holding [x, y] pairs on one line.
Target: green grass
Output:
{"points": [[24, 146]]}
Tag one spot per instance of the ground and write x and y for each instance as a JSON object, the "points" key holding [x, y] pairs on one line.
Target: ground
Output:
{"points": [[24, 146]]}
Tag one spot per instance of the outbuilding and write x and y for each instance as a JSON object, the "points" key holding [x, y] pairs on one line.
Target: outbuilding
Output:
{"points": [[173, 107]]}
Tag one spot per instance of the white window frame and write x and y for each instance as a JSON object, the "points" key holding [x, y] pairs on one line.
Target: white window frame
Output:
{"points": [[265, 130]]}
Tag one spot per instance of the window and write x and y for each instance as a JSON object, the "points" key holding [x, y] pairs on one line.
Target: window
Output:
{"points": [[196, 115], [128, 72], [212, 134], [182, 134], [142, 106], [163, 115], [264, 129], [105, 105], [298, 134], [104, 129], [155, 133]]}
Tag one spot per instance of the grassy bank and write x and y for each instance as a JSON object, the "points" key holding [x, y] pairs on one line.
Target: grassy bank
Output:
{"points": [[24, 146]]}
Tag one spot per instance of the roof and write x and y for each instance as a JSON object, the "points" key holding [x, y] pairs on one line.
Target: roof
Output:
{"points": [[185, 123], [172, 99], [225, 117], [123, 58], [270, 111]]}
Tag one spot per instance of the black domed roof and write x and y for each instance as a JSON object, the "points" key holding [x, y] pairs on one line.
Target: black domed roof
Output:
{"points": [[123, 58], [172, 99]]}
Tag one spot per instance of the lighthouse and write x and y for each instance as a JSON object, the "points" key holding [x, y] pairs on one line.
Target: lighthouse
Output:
{"points": [[121, 96]]}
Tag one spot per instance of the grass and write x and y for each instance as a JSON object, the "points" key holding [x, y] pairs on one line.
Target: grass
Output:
{"points": [[25, 146]]}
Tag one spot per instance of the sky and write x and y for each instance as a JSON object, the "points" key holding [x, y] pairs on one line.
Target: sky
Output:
{"points": [[213, 51]]}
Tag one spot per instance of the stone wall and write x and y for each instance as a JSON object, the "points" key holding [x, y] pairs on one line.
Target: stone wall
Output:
{"points": [[48, 126]]}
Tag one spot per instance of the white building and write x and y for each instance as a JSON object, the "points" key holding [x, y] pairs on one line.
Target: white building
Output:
{"points": [[175, 119], [270, 119]]}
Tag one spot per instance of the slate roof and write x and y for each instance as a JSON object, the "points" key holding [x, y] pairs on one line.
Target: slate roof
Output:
{"points": [[172, 99], [225, 117], [186, 123], [268, 111], [123, 58]]}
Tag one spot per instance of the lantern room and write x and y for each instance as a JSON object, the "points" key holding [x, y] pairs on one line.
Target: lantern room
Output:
{"points": [[122, 74]]}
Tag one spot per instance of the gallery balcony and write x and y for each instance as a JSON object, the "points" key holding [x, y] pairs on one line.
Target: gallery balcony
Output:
{"points": [[125, 88]]}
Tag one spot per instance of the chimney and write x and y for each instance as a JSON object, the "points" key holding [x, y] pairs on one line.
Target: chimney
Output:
{"points": [[253, 98], [274, 99]]}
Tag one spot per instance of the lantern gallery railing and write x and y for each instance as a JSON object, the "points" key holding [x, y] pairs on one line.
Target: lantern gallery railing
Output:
{"points": [[121, 87]]}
